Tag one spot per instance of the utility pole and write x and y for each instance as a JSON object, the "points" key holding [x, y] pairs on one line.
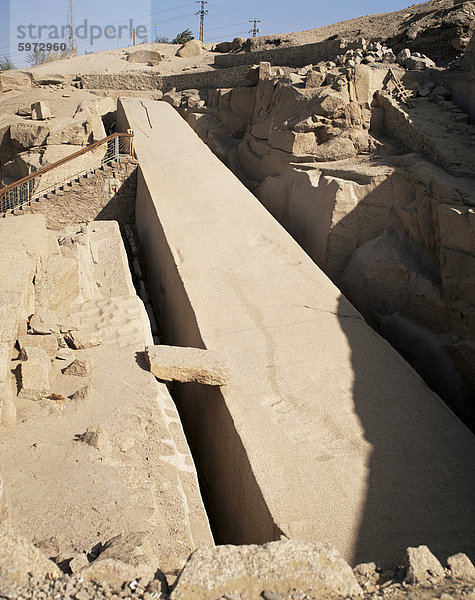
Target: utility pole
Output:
{"points": [[72, 48], [202, 13], [254, 29]]}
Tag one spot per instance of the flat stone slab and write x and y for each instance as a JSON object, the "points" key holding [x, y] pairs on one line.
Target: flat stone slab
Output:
{"points": [[174, 363]]}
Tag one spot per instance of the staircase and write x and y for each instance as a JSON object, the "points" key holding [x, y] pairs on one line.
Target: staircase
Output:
{"points": [[18, 197]]}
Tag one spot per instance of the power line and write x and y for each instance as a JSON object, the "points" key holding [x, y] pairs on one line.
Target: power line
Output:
{"points": [[136, 18], [227, 26], [83, 45]]}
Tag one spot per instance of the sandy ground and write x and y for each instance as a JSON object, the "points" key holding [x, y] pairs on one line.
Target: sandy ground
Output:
{"points": [[115, 61]]}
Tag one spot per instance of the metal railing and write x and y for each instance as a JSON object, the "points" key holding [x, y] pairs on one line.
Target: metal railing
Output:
{"points": [[36, 185]]}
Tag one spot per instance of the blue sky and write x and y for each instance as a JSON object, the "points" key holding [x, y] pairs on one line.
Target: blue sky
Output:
{"points": [[20, 19]]}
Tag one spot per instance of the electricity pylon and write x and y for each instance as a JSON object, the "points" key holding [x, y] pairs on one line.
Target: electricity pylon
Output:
{"points": [[202, 13], [72, 48], [254, 29]]}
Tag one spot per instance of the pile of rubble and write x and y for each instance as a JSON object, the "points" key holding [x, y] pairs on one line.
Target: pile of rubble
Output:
{"points": [[375, 52], [285, 570]]}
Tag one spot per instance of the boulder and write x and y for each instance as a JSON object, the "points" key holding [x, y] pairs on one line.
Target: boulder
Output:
{"points": [[26, 135], [40, 111], [223, 47], [330, 104], [124, 558], [20, 560], [146, 57], [278, 568], [402, 56], [419, 63], [98, 106], [338, 148], [173, 363], [78, 562], [14, 80], [293, 142], [44, 321], [68, 131], [426, 89], [191, 48], [315, 79], [461, 566], [422, 565]]}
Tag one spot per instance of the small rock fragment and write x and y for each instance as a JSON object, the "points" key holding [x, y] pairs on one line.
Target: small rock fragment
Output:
{"points": [[81, 367], [267, 595], [97, 438], [125, 557], [78, 562], [82, 394], [422, 565], [82, 339], [461, 566]]}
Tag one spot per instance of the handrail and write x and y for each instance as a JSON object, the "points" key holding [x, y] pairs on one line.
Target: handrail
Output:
{"points": [[22, 192], [62, 161]]}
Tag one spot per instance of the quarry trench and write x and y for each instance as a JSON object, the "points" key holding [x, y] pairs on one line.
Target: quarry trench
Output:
{"points": [[323, 432]]}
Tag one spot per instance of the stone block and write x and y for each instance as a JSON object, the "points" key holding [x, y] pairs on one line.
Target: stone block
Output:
{"points": [[419, 63], [20, 560], [338, 148], [422, 565], [14, 80], [191, 48], [78, 562], [315, 79], [81, 367], [40, 111], [27, 134], [47, 342], [125, 557], [173, 363], [44, 321], [461, 566], [264, 70], [145, 57], [34, 374], [317, 570], [292, 142]]}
